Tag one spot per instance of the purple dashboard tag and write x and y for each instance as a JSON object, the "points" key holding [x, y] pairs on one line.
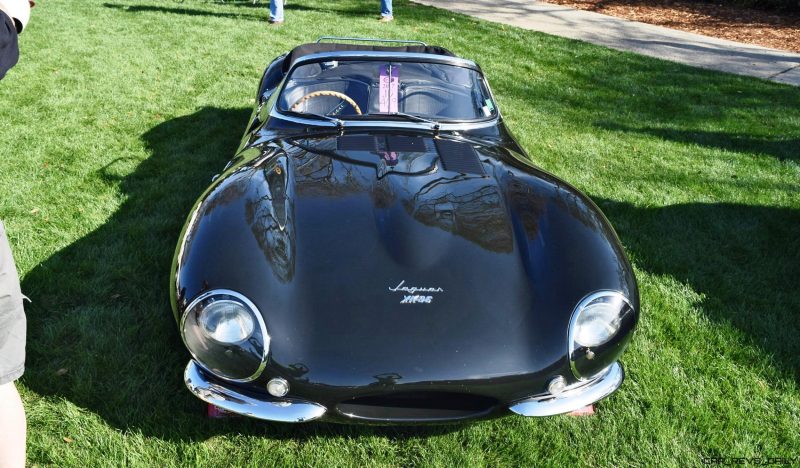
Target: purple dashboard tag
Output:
{"points": [[383, 90], [388, 90]]}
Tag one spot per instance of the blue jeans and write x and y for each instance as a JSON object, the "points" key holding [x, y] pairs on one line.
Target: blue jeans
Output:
{"points": [[276, 10], [386, 8]]}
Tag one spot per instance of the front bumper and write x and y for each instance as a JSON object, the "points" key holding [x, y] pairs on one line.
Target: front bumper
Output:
{"points": [[292, 410], [574, 397], [281, 410]]}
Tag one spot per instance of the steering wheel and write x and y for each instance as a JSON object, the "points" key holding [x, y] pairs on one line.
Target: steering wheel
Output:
{"points": [[315, 94]]}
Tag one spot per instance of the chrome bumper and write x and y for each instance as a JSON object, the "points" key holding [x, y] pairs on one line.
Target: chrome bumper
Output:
{"points": [[280, 410], [574, 397]]}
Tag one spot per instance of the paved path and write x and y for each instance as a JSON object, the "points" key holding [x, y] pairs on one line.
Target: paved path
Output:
{"points": [[646, 39]]}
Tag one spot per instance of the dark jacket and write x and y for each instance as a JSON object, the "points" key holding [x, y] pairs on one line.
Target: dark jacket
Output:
{"points": [[9, 48]]}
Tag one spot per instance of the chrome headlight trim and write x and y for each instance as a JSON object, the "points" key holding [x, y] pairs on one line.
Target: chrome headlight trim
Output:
{"points": [[573, 322], [253, 310]]}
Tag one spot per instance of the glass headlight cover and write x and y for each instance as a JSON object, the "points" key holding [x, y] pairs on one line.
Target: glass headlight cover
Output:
{"points": [[226, 321], [225, 333], [598, 322]]}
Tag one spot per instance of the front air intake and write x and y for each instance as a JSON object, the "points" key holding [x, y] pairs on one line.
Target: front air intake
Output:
{"points": [[459, 157], [417, 407]]}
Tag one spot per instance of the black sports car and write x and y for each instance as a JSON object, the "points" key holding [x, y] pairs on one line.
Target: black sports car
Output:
{"points": [[381, 250]]}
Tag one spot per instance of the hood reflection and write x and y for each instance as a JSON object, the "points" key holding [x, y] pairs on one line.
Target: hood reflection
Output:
{"points": [[269, 210], [468, 206]]}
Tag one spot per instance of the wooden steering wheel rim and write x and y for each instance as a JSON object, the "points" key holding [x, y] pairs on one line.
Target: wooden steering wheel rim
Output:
{"points": [[337, 94]]}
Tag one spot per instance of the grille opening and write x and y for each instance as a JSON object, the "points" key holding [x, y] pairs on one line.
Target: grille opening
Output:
{"points": [[417, 406]]}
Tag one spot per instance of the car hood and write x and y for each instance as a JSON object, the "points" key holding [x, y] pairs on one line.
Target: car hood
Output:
{"points": [[371, 267]]}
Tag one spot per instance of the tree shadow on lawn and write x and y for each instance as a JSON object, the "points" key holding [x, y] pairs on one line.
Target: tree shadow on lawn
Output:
{"points": [[623, 92], [744, 259], [100, 328], [777, 147], [259, 11], [260, 16]]}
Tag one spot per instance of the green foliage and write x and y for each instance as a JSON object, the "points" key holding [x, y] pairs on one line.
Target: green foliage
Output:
{"points": [[121, 111]]}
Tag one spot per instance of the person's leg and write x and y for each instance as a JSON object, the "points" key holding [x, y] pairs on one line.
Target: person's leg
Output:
{"points": [[276, 11], [12, 360], [12, 428], [386, 9]]}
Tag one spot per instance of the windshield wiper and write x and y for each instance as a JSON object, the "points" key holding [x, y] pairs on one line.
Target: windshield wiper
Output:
{"points": [[411, 117], [402, 115]]}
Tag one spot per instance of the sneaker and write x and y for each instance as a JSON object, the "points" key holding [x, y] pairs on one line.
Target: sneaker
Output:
{"points": [[386, 19], [275, 22]]}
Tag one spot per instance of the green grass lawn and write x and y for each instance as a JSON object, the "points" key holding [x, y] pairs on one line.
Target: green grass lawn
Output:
{"points": [[121, 111]]}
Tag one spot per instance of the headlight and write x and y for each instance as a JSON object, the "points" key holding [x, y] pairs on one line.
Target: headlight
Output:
{"points": [[226, 335], [598, 321], [226, 321], [599, 331]]}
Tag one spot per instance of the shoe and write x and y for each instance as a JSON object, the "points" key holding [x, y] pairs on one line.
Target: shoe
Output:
{"points": [[275, 22], [386, 19]]}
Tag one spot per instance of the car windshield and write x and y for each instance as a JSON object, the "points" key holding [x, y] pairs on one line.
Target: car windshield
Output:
{"points": [[376, 89]]}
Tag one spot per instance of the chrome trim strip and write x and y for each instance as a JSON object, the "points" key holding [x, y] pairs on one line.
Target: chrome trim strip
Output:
{"points": [[368, 39], [573, 398], [287, 410], [253, 309], [575, 313]]}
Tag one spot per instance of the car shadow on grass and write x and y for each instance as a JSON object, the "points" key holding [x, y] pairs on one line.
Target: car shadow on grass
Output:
{"points": [[100, 329]]}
